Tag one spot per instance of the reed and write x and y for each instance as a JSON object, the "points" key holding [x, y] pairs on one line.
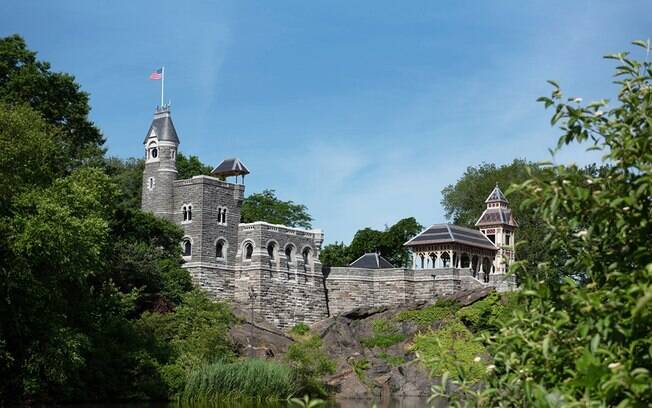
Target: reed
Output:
{"points": [[250, 379]]}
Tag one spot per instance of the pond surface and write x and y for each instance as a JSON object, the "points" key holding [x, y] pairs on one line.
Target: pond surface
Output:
{"points": [[405, 402]]}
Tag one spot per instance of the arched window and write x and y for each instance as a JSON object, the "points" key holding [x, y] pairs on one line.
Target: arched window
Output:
{"points": [[307, 256], [154, 153], [249, 250], [185, 213], [219, 249], [271, 251], [224, 216], [187, 247], [445, 260], [190, 213], [289, 254]]}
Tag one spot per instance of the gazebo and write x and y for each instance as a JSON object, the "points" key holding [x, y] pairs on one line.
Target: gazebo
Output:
{"points": [[446, 246]]}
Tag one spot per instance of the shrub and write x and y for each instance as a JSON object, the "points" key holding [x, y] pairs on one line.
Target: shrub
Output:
{"points": [[249, 379], [451, 348], [359, 366], [300, 329], [425, 317], [385, 334], [584, 337], [390, 359], [310, 363], [488, 314]]}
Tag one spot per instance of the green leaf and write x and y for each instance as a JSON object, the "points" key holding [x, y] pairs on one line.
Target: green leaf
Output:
{"points": [[642, 43]]}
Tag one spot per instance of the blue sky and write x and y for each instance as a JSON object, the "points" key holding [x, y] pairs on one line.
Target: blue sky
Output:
{"points": [[362, 110]]}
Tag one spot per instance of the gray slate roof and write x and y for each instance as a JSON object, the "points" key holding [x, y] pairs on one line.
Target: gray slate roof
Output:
{"points": [[448, 233], [230, 167], [496, 216], [371, 260], [496, 196], [163, 128]]}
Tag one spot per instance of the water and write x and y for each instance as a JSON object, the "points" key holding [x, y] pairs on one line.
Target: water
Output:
{"points": [[405, 402]]}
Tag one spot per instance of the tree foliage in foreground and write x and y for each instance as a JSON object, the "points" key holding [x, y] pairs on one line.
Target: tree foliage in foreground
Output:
{"points": [[586, 343], [25, 80], [388, 242]]}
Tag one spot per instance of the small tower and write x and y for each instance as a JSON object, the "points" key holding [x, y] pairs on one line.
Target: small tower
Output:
{"points": [[161, 143], [498, 224]]}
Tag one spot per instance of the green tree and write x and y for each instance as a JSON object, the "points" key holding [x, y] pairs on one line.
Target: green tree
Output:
{"points": [[388, 242], [190, 166], [336, 254], [464, 202], [587, 342], [56, 96], [267, 207]]}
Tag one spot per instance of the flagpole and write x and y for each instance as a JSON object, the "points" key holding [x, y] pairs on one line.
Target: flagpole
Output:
{"points": [[162, 84]]}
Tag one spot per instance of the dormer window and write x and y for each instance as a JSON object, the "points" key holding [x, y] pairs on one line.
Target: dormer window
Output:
{"points": [[154, 153]]}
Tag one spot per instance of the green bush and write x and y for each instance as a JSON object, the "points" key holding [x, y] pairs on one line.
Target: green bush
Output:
{"points": [[249, 379], [359, 366], [489, 313], [310, 363], [300, 328], [390, 359], [584, 337], [451, 348], [385, 334], [425, 317]]}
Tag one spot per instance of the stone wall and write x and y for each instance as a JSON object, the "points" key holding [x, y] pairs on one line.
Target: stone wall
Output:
{"points": [[286, 290], [206, 195], [349, 288]]}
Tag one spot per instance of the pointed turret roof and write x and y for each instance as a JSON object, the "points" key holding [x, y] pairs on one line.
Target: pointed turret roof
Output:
{"points": [[496, 196], [162, 127], [371, 260], [230, 167], [496, 214]]}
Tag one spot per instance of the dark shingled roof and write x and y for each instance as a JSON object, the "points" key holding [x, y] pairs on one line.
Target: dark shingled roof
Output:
{"points": [[163, 127], [371, 261], [496, 196], [497, 216], [230, 167], [448, 233]]}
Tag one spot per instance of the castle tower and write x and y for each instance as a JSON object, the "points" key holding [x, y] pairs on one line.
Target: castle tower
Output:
{"points": [[498, 224], [161, 143]]}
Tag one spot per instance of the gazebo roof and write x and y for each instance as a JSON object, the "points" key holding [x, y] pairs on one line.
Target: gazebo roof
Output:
{"points": [[230, 167], [372, 260], [448, 234]]}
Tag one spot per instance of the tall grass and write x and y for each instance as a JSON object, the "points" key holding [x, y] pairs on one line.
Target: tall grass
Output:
{"points": [[250, 379]]}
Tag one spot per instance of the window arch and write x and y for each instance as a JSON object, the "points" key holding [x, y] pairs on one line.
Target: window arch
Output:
{"points": [[289, 253], [220, 248], [221, 215], [186, 245], [187, 212], [271, 250], [248, 250]]}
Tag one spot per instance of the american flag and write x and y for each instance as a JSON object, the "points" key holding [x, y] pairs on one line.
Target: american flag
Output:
{"points": [[156, 75]]}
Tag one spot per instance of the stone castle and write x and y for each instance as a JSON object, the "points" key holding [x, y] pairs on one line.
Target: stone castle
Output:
{"points": [[275, 269]]}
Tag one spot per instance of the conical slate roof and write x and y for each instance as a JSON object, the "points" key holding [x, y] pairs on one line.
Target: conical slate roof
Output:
{"points": [[371, 260], [162, 127], [496, 196], [448, 233], [230, 167], [496, 216]]}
